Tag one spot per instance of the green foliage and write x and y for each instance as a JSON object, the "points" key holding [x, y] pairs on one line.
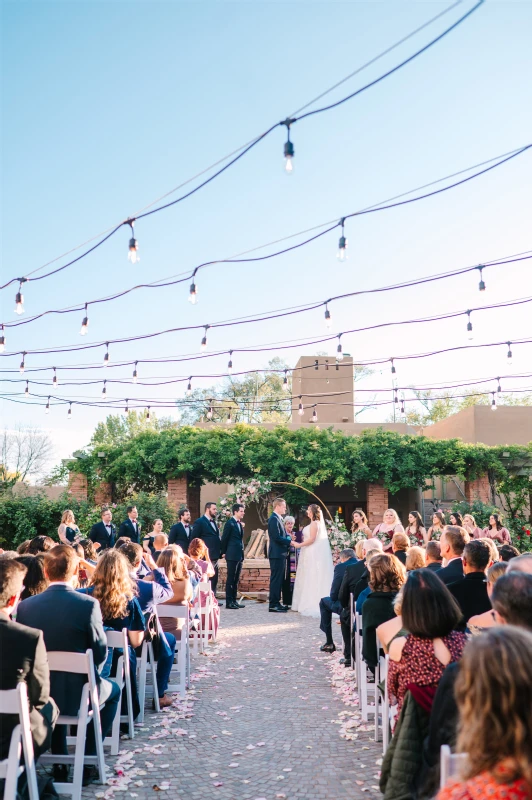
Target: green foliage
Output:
{"points": [[517, 525], [434, 407]]}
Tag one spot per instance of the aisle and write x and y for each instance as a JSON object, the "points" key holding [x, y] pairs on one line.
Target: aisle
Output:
{"points": [[261, 723]]}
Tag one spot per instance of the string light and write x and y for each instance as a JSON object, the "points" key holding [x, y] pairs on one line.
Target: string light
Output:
{"points": [[339, 353], [27, 389], [499, 390], [493, 402], [104, 391], [148, 414], [47, 409], [126, 409], [22, 364], [481, 285], [135, 373], [133, 254], [106, 356], [328, 320], [285, 381], [203, 345], [469, 326], [288, 148], [394, 371], [2, 339], [395, 397], [314, 417], [509, 355], [54, 379], [69, 414], [189, 387], [300, 410], [85, 323], [193, 294], [19, 298], [402, 406], [342, 243], [230, 363]]}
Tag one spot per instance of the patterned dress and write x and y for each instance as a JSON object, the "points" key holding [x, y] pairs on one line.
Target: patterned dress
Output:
{"points": [[485, 787], [419, 666]]}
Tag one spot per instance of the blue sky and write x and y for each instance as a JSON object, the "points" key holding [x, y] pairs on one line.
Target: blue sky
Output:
{"points": [[106, 106]]}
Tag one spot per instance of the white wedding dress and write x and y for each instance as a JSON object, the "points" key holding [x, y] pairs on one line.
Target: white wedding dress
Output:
{"points": [[314, 573]]}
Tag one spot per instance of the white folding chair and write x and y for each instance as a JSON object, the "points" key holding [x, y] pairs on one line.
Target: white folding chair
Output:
{"points": [[147, 659], [365, 689], [204, 607], [351, 623], [119, 640], [358, 648], [451, 764], [15, 701], [386, 728], [89, 709], [382, 712], [182, 646]]}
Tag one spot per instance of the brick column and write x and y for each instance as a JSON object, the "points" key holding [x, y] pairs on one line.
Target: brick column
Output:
{"points": [[181, 493], [377, 500], [77, 485], [479, 489], [102, 494]]}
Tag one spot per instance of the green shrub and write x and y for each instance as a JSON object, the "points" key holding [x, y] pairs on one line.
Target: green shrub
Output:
{"points": [[518, 526]]}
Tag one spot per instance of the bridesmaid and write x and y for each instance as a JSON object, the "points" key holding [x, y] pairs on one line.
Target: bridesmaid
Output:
{"points": [[390, 524], [497, 531], [471, 526], [416, 528], [68, 531], [359, 523], [438, 524], [456, 519]]}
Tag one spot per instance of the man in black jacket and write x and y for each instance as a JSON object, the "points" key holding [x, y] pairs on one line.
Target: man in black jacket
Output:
{"points": [[452, 543], [233, 549], [181, 532], [206, 529], [471, 591], [23, 659], [433, 556], [352, 576], [130, 528], [71, 622], [104, 532], [331, 605], [278, 549]]}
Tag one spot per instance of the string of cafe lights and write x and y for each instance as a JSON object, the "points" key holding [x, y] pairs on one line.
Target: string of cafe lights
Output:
{"points": [[288, 154]]}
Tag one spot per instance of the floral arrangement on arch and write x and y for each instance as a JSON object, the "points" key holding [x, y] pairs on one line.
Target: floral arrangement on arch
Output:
{"points": [[245, 492]]}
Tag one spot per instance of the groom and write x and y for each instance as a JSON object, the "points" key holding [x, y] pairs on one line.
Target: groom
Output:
{"points": [[278, 550]]}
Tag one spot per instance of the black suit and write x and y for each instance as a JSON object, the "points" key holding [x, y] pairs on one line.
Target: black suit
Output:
{"points": [[435, 566], [233, 550], [278, 550], [102, 536], [24, 659], [452, 572], [72, 622], [401, 555], [178, 535], [351, 578], [331, 605], [207, 530], [132, 531], [471, 594]]}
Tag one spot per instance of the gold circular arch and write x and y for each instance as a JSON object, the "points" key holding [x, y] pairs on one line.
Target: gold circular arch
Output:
{"points": [[297, 486]]}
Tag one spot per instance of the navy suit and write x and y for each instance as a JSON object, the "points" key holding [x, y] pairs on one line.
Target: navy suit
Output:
{"points": [[178, 535], [131, 531], [278, 550], [207, 530], [435, 566], [233, 550], [452, 572], [332, 605], [100, 535]]}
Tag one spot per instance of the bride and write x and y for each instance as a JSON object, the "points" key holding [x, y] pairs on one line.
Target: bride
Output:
{"points": [[315, 566]]}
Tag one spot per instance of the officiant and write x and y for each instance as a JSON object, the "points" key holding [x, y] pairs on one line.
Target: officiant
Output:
{"points": [[291, 561]]}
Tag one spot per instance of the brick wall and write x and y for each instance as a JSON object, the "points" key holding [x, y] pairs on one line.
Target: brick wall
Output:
{"points": [[253, 578], [377, 497], [479, 489], [102, 494], [77, 485], [181, 494]]}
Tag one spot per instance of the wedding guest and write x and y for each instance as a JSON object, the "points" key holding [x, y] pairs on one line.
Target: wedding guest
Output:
{"points": [[488, 619], [415, 558], [352, 576], [41, 544], [438, 524], [287, 588], [392, 628], [35, 580], [331, 605], [385, 530], [455, 518], [400, 544], [386, 577], [197, 550], [452, 543], [522, 563], [359, 523], [430, 614], [72, 622], [512, 599], [89, 552], [416, 528], [433, 556], [359, 549], [496, 530], [103, 533], [232, 547], [363, 589], [176, 571], [495, 717], [494, 552], [130, 527], [23, 659], [68, 531], [24, 547], [471, 526], [160, 543], [508, 551], [206, 528], [181, 532], [470, 591]]}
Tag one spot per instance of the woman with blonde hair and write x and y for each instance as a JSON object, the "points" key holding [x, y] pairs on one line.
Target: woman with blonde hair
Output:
{"points": [[68, 531], [494, 553], [359, 549], [173, 563], [494, 696], [385, 530], [471, 526], [197, 550], [415, 558]]}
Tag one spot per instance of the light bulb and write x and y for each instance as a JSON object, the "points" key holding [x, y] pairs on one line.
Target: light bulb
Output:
{"points": [[193, 295], [84, 326], [203, 345], [104, 391], [402, 407], [285, 382], [69, 414], [469, 327], [300, 409], [230, 364], [189, 388], [106, 356], [47, 408], [54, 379], [2, 339], [328, 320], [288, 157], [395, 397], [19, 300], [499, 389], [481, 285], [22, 364], [493, 402], [394, 371], [314, 415], [342, 248], [510, 358], [135, 373], [339, 353], [27, 389], [133, 254], [148, 414], [126, 409]]}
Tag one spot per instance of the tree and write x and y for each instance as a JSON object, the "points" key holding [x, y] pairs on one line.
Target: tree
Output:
{"points": [[119, 428], [444, 404], [25, 452]]}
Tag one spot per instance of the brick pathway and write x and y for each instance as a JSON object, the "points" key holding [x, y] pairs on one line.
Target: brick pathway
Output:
{"points": [[262, 721]]}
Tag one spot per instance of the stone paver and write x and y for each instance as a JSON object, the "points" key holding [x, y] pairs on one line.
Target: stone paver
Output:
{"points": [[262, 721]]}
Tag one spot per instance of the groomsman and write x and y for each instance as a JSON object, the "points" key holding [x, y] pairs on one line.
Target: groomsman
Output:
{"points": [[104, 532], [233, 550], [205, 528], [181, 532], [130, 527], [278, 550]]}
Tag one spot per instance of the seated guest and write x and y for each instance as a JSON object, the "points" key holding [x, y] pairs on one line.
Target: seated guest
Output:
{"points": [[496, 530], [89, 552], [433, 557], [452, 543], [160, 541], [392, 628], [197, 551], [40, 544], [331, 605], [130, 528], [352, 575], [507, 551], [68, 531], [150, 593], [176, 571], [35, 580], [23, 659], [495, 707], [363, 589], [522, 563], [494, 552], [488, 619], [430, 614], [24, 547], [181, 532], [104, 533], [512, 599], [415, 558], [72, 622], [113, 587], [470, 591], [386, 576], [400, 544]]}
